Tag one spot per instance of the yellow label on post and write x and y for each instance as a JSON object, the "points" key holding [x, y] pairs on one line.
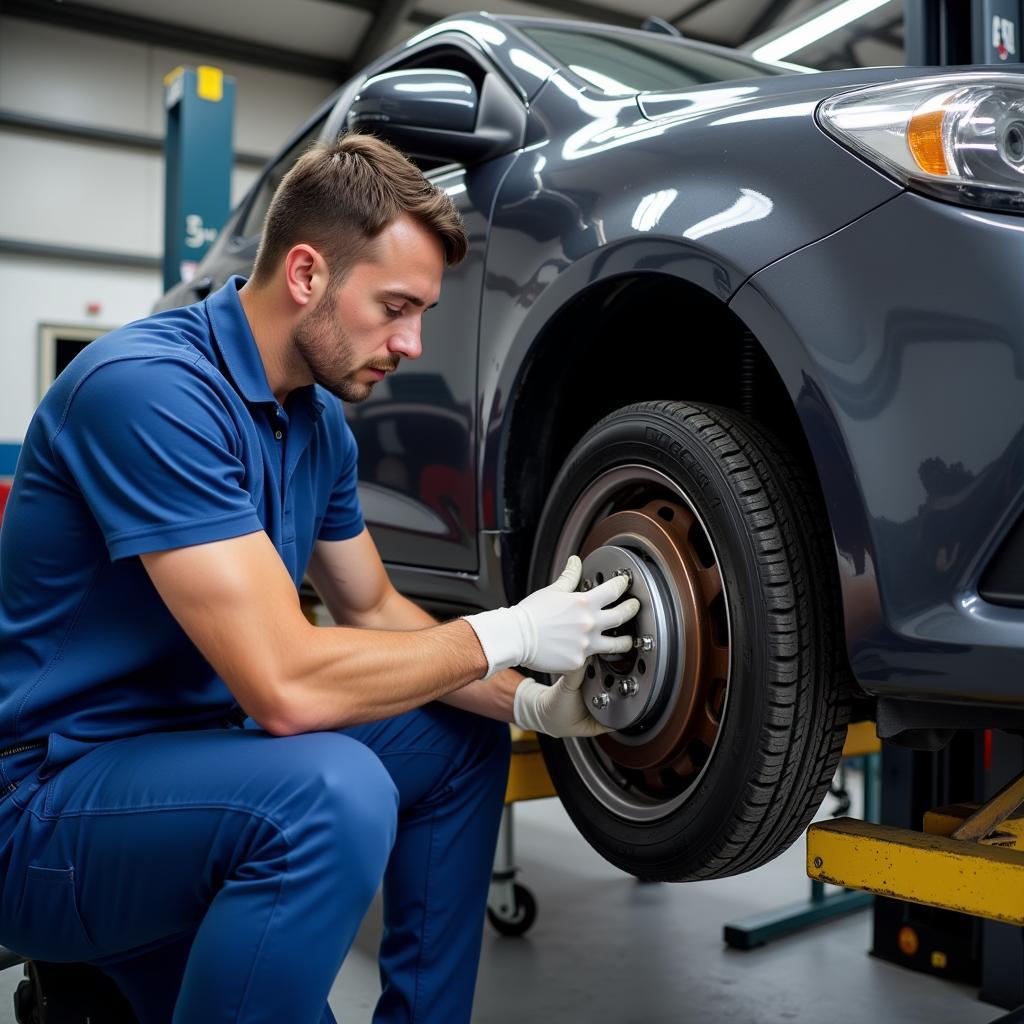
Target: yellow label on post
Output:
{"points": [[172, 75], [209, 83]]}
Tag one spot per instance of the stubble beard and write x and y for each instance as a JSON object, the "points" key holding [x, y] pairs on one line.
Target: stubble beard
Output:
{"points": [[323, 344]]}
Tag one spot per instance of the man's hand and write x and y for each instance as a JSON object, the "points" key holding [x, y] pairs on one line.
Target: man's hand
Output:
{"points": [[556, 629], [557, 710]]}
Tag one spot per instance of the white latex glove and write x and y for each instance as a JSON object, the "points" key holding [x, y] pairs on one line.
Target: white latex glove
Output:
{"points": [[557, 710], [556, 629]]}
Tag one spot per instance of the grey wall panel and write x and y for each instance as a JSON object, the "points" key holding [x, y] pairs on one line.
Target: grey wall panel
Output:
{"points": [[73, 76], [80, 195]]}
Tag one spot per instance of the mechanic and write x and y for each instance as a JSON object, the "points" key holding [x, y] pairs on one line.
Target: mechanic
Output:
{"points": [[201, 791]]}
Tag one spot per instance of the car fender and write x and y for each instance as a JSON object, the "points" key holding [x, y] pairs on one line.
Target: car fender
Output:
{"points": [[709, 194]]}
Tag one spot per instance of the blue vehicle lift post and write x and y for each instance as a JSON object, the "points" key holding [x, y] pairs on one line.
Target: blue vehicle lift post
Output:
{"points": [[199, 152]]}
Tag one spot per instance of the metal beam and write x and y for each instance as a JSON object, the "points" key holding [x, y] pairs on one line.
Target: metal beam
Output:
{"points": [[891, 33], [594, 12], [417, 17], [581, 9], [692, 9], [392, 13], [30, 124], [889, 37], [165, 33], [19, 247], [574, 8], [849, 53], [772, 13]]}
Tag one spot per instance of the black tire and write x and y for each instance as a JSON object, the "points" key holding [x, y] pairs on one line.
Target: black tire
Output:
{"points": [[772, 724], [524, 913]]}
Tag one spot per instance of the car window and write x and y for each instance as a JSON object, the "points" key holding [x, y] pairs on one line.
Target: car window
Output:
{"points": [[252, 224], [624, 64]]}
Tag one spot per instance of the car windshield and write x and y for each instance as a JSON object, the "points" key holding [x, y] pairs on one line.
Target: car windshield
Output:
{"points": [[626, 63]]}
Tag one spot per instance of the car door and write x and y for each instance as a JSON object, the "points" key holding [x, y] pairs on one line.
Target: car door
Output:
{"points": [[416, 432]]}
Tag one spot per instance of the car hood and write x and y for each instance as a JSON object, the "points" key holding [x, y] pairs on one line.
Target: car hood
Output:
{"points": [[796, 88]]}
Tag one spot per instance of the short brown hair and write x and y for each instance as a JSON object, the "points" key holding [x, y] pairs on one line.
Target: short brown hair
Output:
{"points": [[339, 196]]}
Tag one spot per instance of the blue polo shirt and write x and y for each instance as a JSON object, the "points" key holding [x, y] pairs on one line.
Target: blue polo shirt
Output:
{"points": [[160, 435]]}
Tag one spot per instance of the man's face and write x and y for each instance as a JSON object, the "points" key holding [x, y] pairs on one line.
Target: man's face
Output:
{"points": [[360, 331]]}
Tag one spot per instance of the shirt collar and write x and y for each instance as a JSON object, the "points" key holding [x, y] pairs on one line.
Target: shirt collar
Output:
{"points": [[236, 344], [234, 340]]}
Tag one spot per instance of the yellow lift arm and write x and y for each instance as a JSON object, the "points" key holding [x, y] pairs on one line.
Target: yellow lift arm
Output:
{"points": [[968, 858]]}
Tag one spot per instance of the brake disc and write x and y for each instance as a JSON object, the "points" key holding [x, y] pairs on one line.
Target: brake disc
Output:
{"points": [[622, 690]]}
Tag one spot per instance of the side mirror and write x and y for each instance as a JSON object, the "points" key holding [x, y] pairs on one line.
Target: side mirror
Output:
{"points": [[432, 115]]}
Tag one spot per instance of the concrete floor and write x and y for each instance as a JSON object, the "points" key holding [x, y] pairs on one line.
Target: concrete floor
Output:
{"points": [[607, 950]]}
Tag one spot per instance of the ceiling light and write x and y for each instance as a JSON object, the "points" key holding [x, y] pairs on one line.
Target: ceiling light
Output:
{"points": [[817, 28]]}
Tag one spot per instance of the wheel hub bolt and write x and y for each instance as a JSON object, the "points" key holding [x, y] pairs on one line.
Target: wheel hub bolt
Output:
{"points": [[643, 643], [628, 573], [601, 701], [628, 687], [586, 585]]}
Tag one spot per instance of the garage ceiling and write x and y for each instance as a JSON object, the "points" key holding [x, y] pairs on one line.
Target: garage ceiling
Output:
{"points": [[330, 38]]}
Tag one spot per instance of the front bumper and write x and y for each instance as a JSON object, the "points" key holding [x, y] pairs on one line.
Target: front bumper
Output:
{"points": [[899, 338]]}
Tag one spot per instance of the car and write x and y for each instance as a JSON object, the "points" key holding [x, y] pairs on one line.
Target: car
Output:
{"points": [[747, 334]]}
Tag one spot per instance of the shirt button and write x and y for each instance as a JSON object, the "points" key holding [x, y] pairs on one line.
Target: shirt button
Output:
{"points": [[278, 434]]}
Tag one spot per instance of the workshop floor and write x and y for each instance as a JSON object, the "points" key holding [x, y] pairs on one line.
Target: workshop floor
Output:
{"points": [[607, 950]]}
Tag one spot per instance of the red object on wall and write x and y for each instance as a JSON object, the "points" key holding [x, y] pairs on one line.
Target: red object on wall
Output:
{"points": [[5, 489]]}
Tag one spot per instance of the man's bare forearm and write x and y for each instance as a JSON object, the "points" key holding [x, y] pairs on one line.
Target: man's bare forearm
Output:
{"points": [[402, 669], [492, 697]]}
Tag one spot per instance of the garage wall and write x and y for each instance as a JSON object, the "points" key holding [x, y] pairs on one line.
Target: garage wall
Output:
{"points": [[38, 291], [59, 191]]}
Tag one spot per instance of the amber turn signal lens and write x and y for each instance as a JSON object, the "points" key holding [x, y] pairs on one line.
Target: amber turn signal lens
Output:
{"points": [[924, 136]]}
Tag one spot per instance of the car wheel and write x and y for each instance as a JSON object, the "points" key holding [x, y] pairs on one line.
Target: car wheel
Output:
{"points": [[731, 710]]}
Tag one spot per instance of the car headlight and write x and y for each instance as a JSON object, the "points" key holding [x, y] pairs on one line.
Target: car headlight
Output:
{"points": [[958, 137]]}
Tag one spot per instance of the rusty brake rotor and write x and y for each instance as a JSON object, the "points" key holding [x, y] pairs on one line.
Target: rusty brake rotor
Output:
{"points": [[670, 721]]}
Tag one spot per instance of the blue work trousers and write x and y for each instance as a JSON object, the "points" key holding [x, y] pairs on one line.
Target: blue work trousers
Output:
{"points": [[221, 875]]}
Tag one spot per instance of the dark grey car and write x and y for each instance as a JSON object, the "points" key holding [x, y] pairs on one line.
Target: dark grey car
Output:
{"points": [[753, 335]]}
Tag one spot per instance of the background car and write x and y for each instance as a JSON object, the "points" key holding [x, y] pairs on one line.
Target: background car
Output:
{"points": [[749, 334]]}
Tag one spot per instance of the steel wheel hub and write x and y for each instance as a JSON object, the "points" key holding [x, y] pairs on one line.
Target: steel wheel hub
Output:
{"points": [[667, 695], [622, 690]]}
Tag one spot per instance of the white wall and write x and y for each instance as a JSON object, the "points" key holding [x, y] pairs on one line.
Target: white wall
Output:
{"points": [[35, 291], [88, 196], [97, 196]]}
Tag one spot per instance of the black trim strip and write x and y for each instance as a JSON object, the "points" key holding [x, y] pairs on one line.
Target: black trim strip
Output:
{"points": [[1002, 582]]}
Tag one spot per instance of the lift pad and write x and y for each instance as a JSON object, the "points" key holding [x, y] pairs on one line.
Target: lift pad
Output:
{"points": [[528, 777], [979, 876]]}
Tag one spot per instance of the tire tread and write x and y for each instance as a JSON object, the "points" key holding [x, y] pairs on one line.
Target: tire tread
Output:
{"points": [[807, 680]]}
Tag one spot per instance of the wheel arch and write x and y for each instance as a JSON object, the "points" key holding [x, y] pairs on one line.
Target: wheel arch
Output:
{"points": [[677, 331]]}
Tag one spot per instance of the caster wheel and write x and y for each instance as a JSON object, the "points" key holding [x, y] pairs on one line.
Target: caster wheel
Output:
{"points": [[26, 1001], [522, 914], [69, 994]]}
